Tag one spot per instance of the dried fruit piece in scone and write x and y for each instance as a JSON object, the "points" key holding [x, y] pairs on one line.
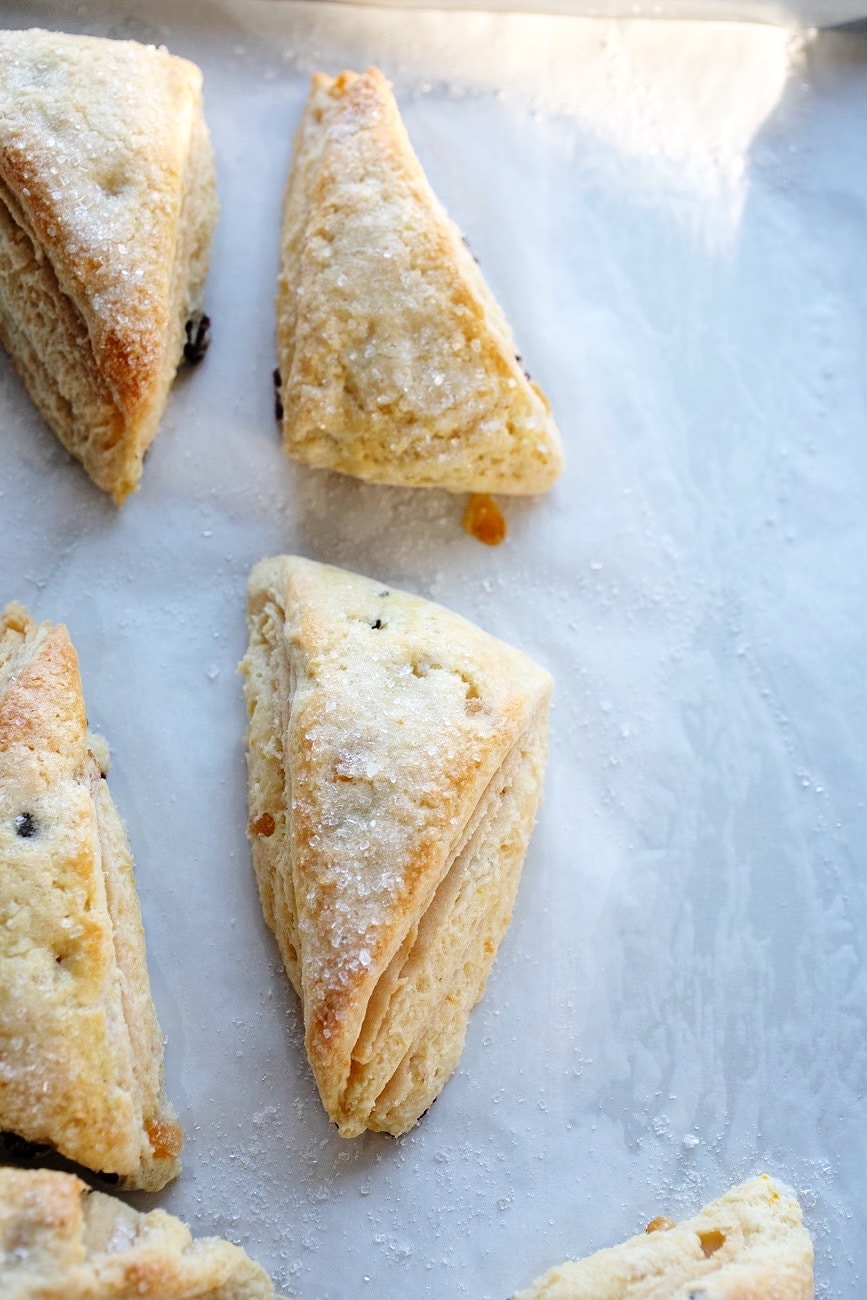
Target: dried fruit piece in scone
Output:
{"points": [[107, 203], [396, 362], [395, 760], [81, 1055], [751, 1244], [61, 1241]]}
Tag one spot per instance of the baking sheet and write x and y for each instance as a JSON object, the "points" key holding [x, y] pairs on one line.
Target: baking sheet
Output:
{"points": [[673, 217], [807, 13]]}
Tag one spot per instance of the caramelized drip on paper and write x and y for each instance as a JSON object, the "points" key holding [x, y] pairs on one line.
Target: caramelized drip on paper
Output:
{"points": [[166, 1139], [660, 1225], [483, 519]]}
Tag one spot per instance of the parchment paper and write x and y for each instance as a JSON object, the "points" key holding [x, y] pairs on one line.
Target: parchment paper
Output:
{"points": [[673, 218]]}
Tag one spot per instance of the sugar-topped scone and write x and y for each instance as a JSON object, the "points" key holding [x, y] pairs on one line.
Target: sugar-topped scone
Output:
{"points": [[396, 362], [61, 1241], [751, 1244], [81, 1055], [107, 203], [395, 760]]}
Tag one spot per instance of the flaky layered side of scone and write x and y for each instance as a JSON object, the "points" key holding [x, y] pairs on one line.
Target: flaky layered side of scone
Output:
{"points": [[61, 1241], [395, 759], [751, 1244], [107, 204], [81, 1055], [397, 364]]}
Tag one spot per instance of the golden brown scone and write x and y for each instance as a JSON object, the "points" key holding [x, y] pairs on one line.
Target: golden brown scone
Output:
{"points": [[395, 762], [397, 364], [81, 1055], [107, 203], [751, 1244], [61, 1241]]}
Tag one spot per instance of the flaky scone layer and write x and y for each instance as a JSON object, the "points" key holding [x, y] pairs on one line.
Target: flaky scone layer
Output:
{"points": [[81, 1054], [395, 762]]}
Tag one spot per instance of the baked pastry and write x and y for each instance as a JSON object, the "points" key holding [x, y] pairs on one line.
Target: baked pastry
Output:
{"points": [[751, 1244], [81, 1055], [396, 362], [61, 1241], [395, 764], [107, 203]]}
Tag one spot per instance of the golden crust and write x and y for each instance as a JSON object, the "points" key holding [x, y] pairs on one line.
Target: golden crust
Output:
{"points": [[751, 1244], [80, 1048], [61, 1241], [397, 364], [107, 204], [395, 757]]}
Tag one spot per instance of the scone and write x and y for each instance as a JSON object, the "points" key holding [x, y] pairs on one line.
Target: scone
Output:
{"points": [[751, 1244], [396, 362], [61, 1241], [395, 763], [81, 1055], [107, 203]]}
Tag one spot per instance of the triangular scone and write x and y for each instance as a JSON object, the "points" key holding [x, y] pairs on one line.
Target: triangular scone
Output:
{"points": [[751, 1244], [396, 755], [397, 364], [107, 203], [81, 1056], [61, 1241]]}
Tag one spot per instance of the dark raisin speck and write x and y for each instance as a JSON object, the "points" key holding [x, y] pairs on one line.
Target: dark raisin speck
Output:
{"points": [[278, 401], [377, 625], [385, 593], [520, 361], [25, 825], [198, 331], [470, 250]]}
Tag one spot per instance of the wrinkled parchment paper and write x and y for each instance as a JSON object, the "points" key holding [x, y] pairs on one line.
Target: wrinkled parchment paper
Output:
{"points": [[673, 218]]}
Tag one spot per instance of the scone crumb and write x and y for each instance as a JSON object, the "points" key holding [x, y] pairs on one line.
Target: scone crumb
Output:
{"points": [[16, 618], [484, 520], [98, 746]]}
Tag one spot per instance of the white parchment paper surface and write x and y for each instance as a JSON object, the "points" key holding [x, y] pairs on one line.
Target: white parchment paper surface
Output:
{"points": [[673, 218]]}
